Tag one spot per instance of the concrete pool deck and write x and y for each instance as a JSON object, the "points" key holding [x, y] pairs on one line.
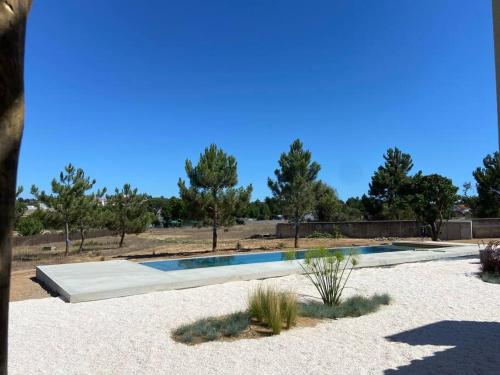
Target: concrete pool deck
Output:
{"points": [[81, 282]]}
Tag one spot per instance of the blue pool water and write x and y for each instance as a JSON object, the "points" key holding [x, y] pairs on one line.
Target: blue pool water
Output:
{"points": [[231, 260]]}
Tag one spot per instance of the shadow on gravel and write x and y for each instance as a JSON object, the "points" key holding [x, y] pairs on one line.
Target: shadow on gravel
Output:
{"points": [[44, 287], [476, 348]]}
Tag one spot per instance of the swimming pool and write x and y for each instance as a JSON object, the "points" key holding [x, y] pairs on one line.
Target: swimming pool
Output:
{"points": [[277, 256]]}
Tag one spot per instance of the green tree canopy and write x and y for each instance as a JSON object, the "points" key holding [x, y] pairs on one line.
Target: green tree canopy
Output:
{"points": [[354, 209], [432, 199], [89, 214], [127, 212], [20, 206], [259, 210], [212, 197], [488, 187], [327, 206], [386, 197], [165, 210], [67, 193], [294, 184]]}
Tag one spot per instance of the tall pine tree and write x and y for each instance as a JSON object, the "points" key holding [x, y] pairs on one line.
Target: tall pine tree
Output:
{"points": [[67, 193], [387, 196], [212, 197], [294, 184]]}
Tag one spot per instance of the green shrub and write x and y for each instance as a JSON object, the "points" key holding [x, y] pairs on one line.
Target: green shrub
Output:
{"points": [[211, 329], [336, 234], [28, 226], [327, 272], [351, 307], [273, 308]]}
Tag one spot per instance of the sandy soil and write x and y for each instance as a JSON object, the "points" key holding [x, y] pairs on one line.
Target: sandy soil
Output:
{"points": [[444, 320]]}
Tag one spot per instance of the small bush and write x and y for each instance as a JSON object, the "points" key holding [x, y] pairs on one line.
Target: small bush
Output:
{"points": [[351, 307], [29, 226], [490, 258], [211, 329], [273, 308], [336, 234], [327, 272], [289, 309]]}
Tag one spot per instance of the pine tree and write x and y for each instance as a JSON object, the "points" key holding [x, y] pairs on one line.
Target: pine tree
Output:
{"points": [[488, 186], [88, 214], [127, 212], [212, 197], [386, 198], [294, 184], [67, 193], [327, 206]]}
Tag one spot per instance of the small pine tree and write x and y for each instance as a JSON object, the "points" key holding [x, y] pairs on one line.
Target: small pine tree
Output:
{"points": [[67, 192], [88, 213], [294, 184], [212, 197], [127, 212]]}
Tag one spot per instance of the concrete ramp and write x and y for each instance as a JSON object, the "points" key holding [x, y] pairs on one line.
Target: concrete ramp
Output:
{"points": [[79, 282]]}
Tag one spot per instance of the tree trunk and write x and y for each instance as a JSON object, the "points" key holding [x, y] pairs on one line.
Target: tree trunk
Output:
{"points": [[82, 236], [12, 31], [297, 224], [66, 237], [214, 231], [434, 232], [122, 238]]}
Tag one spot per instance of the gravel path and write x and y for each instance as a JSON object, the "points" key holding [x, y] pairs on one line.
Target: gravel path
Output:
{"points": [[444, 320]]}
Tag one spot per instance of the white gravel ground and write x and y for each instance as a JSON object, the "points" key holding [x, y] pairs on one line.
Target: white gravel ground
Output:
{"points": [[444, 320]]}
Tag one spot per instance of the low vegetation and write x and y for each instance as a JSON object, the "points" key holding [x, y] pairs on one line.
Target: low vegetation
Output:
{"points": [[211, 329], [273, 308], [336, 234], [329, 272], [351, 307], [490, 262], [29, 226], [270, 311]]}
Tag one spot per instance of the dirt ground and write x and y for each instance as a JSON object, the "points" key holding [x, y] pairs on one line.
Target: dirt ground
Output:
{"points": [[158, 243]]}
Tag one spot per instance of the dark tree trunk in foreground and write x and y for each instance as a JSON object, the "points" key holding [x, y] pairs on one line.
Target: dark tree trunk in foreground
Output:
{"points": [[12, 31]]}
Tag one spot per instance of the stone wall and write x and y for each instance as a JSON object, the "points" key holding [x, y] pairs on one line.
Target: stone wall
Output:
{"points": [[39, 239], [452, 230], [486, 228]]}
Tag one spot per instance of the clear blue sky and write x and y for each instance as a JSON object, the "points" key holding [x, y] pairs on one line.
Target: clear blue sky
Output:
{"points": [[128, 90]]}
